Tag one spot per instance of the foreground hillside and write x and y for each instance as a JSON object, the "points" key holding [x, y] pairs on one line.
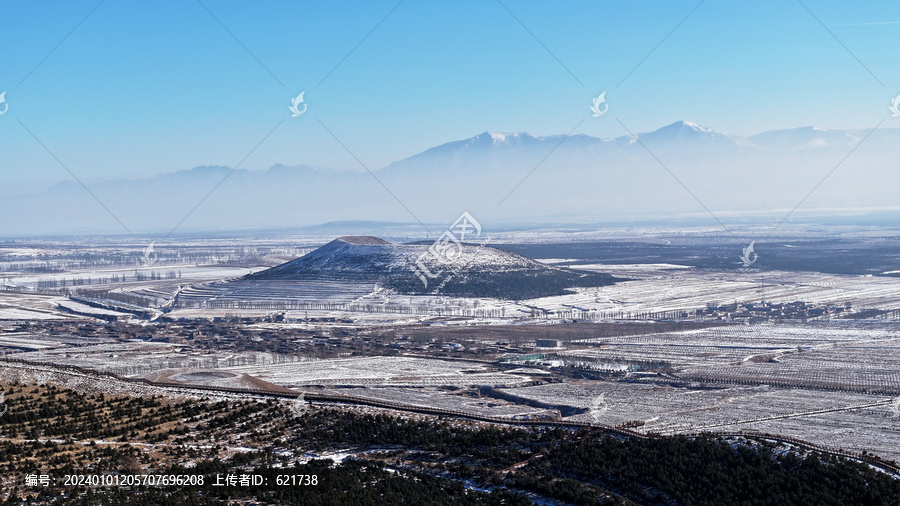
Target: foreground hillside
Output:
{"points": [[362, 456], [467, 271]]}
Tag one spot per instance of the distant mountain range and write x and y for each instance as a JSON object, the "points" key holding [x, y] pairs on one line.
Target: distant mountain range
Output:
{"points": [[471, 271], [500, 178]]}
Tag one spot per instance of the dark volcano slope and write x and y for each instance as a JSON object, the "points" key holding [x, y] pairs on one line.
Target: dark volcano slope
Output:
{"points": [[469, 271]]}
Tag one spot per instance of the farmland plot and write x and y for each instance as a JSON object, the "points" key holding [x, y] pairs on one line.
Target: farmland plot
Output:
{"points": [[382, 371], [859, 356], [257, 294], [23, 341], [89, 384], [837, 419], [668, 289], [869, 368], [874, 430], [835, 383], [442, 399], [139, 358], [741, 344], [150, 360], [103, 277], [23, 307]]}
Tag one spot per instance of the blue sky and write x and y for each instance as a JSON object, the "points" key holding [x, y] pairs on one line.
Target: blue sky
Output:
{"points": [[143, 88]]}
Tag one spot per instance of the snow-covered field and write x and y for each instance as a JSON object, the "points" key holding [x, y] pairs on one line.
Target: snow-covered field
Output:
{"points": [[188, 274], [17, 373], [653, 288], [143, 359], [383, 371], [835, 383], [668, 289], [140, 358], [21, 306], [430, 398], [845, 420], [742, 343], [27, 342]]}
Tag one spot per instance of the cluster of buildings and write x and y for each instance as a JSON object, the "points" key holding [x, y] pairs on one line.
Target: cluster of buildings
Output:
{"points": [[768, 311]]}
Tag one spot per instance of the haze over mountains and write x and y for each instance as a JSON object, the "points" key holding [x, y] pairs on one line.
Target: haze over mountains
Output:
{"points": [[575, 179]]}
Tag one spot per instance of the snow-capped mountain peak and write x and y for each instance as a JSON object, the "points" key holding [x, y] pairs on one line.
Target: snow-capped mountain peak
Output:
{"points": [[509, 138], [700, 128], [682, 132]]}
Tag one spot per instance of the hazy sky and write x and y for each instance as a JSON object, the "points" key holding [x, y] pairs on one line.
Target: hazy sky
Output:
{"points": [[142, 88]]}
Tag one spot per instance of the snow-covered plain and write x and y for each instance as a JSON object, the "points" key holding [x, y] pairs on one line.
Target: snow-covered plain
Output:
{"points": [[833, 382], [653, 288]]}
